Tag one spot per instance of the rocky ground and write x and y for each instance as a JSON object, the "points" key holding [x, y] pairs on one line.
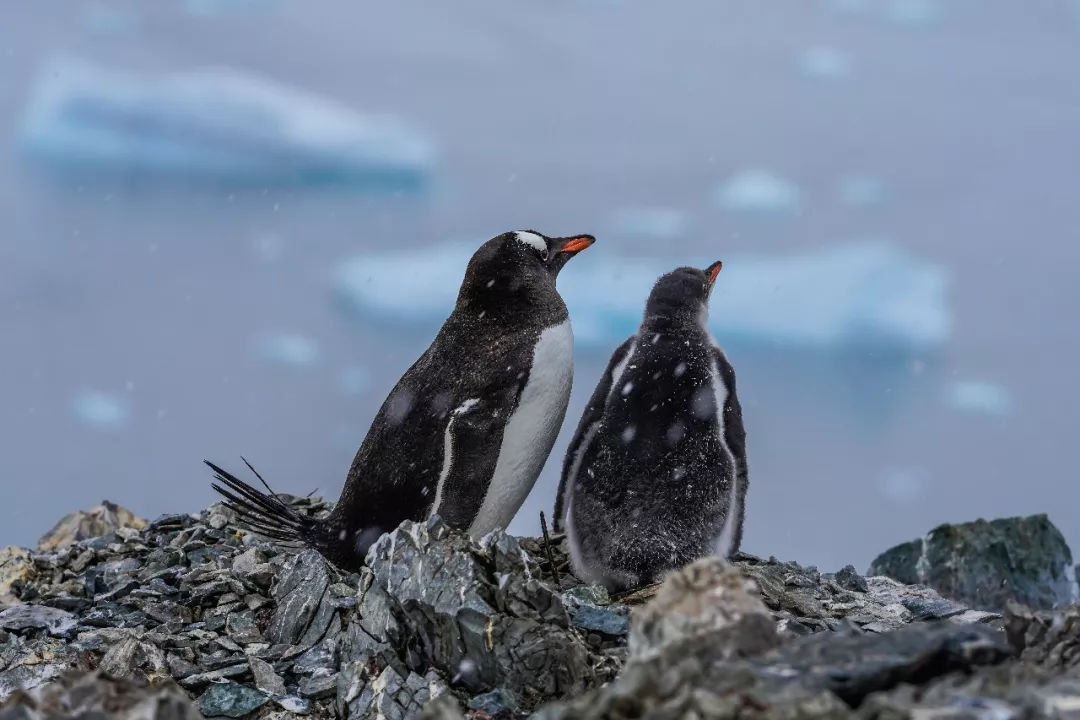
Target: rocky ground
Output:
{"points": [[184, 616]]}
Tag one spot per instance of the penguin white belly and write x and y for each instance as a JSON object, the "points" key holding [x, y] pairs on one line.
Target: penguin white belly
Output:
{"points": [[726, 539], [531, 430]]}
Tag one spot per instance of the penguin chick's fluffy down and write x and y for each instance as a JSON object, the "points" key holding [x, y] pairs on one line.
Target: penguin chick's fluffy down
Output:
{"points": [[655, 476]]}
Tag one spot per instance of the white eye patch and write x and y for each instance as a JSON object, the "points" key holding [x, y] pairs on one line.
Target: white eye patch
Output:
{"points": [[532, 240]]}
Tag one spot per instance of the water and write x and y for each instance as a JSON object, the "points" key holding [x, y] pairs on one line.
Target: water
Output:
{"points": [[557, 115]]}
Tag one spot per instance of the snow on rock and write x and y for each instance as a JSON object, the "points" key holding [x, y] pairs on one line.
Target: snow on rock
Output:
{"points": [[759, 192], [858, 295], [212, 124]]}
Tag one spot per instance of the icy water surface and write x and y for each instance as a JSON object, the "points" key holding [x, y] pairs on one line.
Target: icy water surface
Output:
{"points": [[149, 322]]}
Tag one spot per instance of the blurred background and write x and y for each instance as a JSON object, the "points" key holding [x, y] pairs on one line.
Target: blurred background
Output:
{"points": [[230, 225]]}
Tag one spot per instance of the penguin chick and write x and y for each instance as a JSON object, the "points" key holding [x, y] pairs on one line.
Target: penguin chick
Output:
{"points": [[656, 474], [466, 430]]}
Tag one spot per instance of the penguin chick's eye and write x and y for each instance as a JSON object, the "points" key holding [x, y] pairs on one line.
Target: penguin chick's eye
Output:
{"points": [[533, 241]]}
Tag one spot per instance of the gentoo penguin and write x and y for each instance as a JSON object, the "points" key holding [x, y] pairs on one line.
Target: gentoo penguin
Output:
{"points": [[656, 476], [467, 428]]}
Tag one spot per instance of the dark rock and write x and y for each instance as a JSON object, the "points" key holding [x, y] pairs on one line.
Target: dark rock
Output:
{"points": [[300, 608], [266, 680], [607, 621], [848, 579], [475, 613], [498, 704], [230, 700], [89, 696], [1049, 639], [821, 676], [319, 686], [987, 564], [56, 622]]}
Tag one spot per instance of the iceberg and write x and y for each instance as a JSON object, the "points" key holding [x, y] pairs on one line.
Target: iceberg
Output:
{"points": [[648, 224], [100, 410], [759, 192], [858, 190], [287, 350], [212, 124], [979, 397], [850, 296], [913, 13]]}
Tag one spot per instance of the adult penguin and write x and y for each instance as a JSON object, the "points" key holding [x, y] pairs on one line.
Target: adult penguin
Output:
{"points": [[467, 428], [656, 474]]}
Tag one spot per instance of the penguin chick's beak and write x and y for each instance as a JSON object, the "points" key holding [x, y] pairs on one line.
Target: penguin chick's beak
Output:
{"points": [[562, 249], [711, 272]]}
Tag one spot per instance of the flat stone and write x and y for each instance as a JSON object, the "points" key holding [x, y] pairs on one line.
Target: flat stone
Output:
{"points": [[266, 679], [230, 700], [56, 622]]}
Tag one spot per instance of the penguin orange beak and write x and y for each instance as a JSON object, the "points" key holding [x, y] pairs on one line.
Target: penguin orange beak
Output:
{"points": [[577, 244], [712, 271], [562, 249]]}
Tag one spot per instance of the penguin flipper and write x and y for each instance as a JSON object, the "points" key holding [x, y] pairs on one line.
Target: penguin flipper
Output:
{"points": [[474, 436], [594, 411], [735, 439]]}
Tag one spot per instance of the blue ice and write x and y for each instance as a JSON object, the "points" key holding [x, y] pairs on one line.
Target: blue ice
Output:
{"points": [[219, 7], [913, 12], [287, 350], [759, 192], [979, 397], [212, 124], [101, 410], [857, 295]]}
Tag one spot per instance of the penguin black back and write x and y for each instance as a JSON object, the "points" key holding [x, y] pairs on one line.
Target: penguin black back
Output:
{"points": [[656, 476], [466, 430]]}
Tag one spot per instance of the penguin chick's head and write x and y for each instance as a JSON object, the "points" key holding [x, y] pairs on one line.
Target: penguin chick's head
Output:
{"points": [[521, 264], [682, 295]]}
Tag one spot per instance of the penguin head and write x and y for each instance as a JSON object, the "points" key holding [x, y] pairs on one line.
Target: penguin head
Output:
{"points": [[682, 295], [519, 265]]}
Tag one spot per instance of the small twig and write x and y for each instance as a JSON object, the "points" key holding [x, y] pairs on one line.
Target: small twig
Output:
{"points": [[547, 549]]}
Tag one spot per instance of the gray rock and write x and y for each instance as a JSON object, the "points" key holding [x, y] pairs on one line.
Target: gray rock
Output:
{"points": [[475, 613], [230, 700], [388, 695], [613, 622], [849, 579], [319, 686], [56, 622], [89, 696], [821, 676], [708, 602], [266, 679], [987, 564], [498, 704], [299, 596]]}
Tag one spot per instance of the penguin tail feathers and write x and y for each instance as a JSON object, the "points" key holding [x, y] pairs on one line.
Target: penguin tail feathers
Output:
{"points": [[265, 513]]}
